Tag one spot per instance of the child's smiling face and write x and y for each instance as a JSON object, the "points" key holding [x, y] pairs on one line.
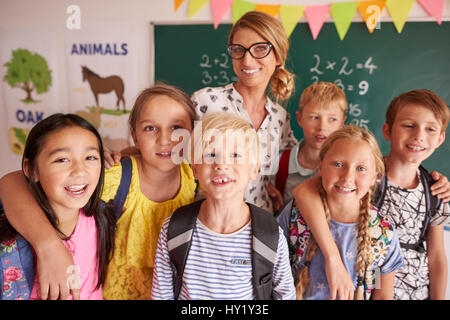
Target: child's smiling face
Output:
{"points": [[414, 135], [226, 170], [68, 168], [348, 170], [158, 120]]}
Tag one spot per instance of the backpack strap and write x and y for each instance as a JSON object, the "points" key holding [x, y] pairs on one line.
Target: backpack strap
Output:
{"points": [[432, 204], [283, 171], [284, 218], [381, 192], [179, 239], [124, 187], [264, 246]]}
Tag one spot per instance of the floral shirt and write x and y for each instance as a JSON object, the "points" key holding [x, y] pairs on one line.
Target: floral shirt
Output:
{"points": [[16, 270], [275, 134]]}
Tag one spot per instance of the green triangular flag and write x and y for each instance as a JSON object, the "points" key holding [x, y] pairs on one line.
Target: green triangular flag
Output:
{"points": [[343, 14], [195, 5], [240, 8], [290, 15]]}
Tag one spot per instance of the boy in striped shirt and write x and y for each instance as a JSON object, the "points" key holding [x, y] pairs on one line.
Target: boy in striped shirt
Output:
{"points": [[225, 239]]}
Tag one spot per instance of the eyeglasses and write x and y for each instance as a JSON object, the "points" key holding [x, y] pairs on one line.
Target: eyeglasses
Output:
{"points": [[257, 50]]}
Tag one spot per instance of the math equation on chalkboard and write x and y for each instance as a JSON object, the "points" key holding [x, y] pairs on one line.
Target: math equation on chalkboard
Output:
{"points": [[216, 70], [343, 71]]}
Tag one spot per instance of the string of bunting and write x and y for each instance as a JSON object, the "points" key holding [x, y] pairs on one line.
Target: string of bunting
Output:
{"points": [[342, 13]]}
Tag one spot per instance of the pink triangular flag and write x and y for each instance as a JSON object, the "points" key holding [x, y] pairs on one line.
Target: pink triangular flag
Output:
{"points": [[218, 10], [433, 8], [316, 16]]}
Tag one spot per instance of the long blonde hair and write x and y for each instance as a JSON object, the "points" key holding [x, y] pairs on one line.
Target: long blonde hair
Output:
{"points": [[363, 258], [282, 81]]}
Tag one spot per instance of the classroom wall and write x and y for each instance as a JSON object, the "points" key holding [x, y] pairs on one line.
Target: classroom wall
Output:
{"points": [[136, 14]]}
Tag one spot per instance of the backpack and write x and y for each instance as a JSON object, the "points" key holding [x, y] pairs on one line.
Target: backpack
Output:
{"points": [[283, 171], [264, 246], [432, 204]]}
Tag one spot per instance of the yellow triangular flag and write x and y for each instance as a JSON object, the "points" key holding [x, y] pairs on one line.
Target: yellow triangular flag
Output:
{"points": [[195, 5], [240, 8], [371, 12], [268, 8], [177, 4], [399, 11], [290, 15]]}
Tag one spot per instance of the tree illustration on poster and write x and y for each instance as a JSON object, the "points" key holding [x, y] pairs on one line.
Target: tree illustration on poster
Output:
{"points": [[28, 72]]}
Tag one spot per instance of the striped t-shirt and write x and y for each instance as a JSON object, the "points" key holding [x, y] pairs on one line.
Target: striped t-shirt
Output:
{"points": [[219, 266]]}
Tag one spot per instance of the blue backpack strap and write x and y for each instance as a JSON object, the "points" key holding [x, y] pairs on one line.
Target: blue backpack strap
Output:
{"points": [[124, 187], [284, 218]]}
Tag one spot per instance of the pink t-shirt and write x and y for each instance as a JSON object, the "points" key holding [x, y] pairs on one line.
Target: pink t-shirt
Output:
{"points": [[83, 247]]}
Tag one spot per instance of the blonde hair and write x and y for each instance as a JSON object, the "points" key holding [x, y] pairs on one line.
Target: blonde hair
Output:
{"points": [[424, 98], [364, 256], [282, 81], [218, 125], [161, 90], [324, 94]]}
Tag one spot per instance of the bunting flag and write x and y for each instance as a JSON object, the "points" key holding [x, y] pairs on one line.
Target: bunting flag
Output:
{"points": [[218, 10], [434, 8], [177, 4], [268, 8], [316, 16], [371, 12], [195, 5], [399, 11], [240, 8], [343, 14], [290, 15]]}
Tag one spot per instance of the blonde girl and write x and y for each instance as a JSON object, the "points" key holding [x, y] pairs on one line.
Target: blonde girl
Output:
{"points": [[350, 161], [159, 185]]}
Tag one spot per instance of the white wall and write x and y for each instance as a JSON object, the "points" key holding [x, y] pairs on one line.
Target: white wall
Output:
{"points": [[26, 14]]}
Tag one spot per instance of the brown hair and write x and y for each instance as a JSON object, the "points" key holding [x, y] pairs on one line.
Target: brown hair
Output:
{"points": [[362, 260], [424, 98], [269, 28], [161, 90], [324, 94]]}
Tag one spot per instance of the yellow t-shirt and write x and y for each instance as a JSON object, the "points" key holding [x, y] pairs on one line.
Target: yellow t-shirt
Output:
{"points": [[130, 272]]}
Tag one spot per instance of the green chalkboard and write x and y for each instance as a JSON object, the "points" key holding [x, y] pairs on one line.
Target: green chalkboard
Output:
{"points": [[371, 68]]}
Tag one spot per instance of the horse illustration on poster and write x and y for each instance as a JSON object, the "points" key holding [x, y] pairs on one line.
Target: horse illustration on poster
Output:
{"points": [[104, 85]]}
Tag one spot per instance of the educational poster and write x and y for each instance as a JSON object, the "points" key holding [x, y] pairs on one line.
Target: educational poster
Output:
{"points": [[102, 71], [30, 87]]}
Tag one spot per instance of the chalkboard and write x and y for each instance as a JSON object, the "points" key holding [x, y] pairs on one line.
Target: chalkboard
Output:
{"points": [[371, 68]]}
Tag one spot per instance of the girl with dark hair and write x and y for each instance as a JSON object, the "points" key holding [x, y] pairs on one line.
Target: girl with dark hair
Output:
{"points": [[64, 166]]}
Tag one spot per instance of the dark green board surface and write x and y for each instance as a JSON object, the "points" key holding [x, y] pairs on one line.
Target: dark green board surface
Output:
{"points": [[371, 68]]}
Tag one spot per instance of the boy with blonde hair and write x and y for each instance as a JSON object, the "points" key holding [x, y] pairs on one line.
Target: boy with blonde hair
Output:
{"points": [[415, 125], [322, 110], [222, 247]]}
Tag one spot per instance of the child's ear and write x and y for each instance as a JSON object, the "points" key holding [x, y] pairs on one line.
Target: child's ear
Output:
{"points": [[299, 118], [441, 139], [26, 171], [254, 171], [133, 135], [194, 171], [386, 132]]}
